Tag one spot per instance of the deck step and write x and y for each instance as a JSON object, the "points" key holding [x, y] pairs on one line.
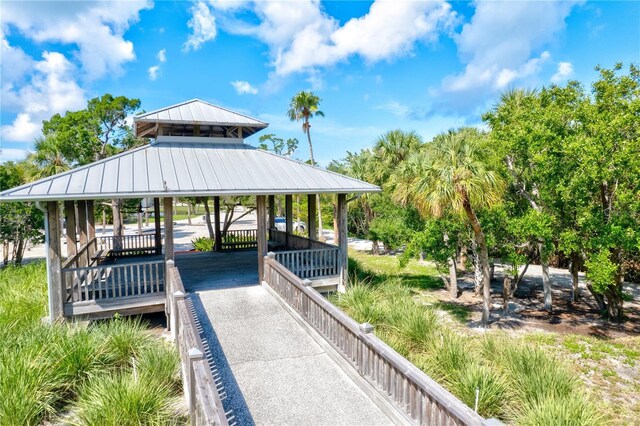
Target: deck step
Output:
{"points": [[105, 308], [326, 284]]}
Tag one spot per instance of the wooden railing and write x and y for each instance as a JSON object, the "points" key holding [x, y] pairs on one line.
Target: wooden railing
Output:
{"points": [[239, 239], [201, 393], [127, 245], [113, 281], [311, 263], [421, 399], [82, 257], [295, 242]]}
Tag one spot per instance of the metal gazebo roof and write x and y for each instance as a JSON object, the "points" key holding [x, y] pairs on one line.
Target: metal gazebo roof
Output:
{"points": [[188, 166], [196, 113]]}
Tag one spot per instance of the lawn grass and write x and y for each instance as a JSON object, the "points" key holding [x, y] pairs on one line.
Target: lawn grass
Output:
{"points": [[63, 372], [523, 379]]}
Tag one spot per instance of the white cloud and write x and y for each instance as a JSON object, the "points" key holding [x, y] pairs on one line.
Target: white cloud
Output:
{"points": [[13, 154], [162, 55], [302, 37], [96, 28], [565, 69], [203, 25], [499, 44], [243, 87], [394, 107], [51, 89], [153, 72]]}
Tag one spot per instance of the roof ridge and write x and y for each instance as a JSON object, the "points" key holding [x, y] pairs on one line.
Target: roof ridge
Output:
{"points": [[156, 111]]}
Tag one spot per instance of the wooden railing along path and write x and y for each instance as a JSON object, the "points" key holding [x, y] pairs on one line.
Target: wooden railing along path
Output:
{"points": [[113, 281], [127, 245], [311, 263], [205, 407], [421, 399], [239, 239], [295, 242]]}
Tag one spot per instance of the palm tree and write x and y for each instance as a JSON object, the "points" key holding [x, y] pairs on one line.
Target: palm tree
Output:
{"points": [[48, 158], [303, 106], [454, 176]]}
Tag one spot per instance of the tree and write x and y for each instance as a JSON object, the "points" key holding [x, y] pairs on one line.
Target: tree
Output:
{"points": [[452, 176], [303, 106], [278, 145], [20, 223], [91, 134]]}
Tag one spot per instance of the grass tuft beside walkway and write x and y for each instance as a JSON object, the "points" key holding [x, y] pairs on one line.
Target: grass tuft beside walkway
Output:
{"points": [[74, 373]]}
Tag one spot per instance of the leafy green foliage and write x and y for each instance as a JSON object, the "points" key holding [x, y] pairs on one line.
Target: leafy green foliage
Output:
{"points": [[78, 373], [601, 271], [203, 244]]}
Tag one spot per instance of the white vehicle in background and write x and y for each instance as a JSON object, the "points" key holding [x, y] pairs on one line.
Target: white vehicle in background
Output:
{"points": [[281, 225]]}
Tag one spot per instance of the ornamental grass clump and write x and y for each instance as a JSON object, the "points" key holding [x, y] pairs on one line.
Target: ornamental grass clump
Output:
{"points": [[48, 371]]}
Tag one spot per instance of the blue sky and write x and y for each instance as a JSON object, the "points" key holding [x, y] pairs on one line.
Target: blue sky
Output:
{"points": [[416, 65]]}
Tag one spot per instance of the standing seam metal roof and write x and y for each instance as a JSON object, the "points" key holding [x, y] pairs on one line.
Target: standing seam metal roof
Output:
{"points": [[178, 168], [196, 111]]}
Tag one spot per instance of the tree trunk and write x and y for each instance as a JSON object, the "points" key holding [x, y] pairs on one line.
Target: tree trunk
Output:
{"points": [[483, 257], [189, 213], [104, 221], [477, 268], [506, 294], [207, 218], [5, 253], [453, 278], [19, 252], [602, 306], [575, 279], [313, 163], [546, 285]]}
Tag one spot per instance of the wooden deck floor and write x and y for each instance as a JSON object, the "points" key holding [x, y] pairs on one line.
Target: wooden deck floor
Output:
{"points": [[210, 270]]}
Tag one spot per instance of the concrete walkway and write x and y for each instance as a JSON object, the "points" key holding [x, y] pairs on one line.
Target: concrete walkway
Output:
{"points": [[270, 369]]}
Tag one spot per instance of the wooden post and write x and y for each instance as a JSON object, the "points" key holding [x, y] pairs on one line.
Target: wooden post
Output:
{"points": [[70, 216], [216, 217], [312, 211], [54, 275], [91, 228], [342, 240], [156, 217], [288, 213], [272, 211], [168, 228], [84, 232], [195, 355], [261, 204]]}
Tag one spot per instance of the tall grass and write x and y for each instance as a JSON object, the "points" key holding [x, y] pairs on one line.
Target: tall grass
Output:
{"points": [[514, 380], [46, 370]]}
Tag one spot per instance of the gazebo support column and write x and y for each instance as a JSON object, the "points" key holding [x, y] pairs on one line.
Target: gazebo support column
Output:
{"points": [[216, 218], [261, 207], [54, 276], [156, 218], [70, 216], [312, 214], [342, 240], [288, 213], [272, 211], [82, 225], [91, 228], [168, 228]]}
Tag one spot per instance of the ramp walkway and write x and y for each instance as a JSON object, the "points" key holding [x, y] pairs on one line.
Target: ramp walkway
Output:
{"points": [[268, 368]]}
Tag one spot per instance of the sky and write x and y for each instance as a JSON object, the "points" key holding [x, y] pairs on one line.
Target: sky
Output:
{"points": [[427, 66]]}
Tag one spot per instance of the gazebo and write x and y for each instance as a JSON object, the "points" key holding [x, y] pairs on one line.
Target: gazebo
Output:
{"points": [[197, 150]]}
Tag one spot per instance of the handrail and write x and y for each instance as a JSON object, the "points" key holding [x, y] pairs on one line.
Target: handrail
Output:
{"points": [[419, 397], [201, 393], [114, 280], [239, 239], [296, 242], [311, 263], [123, 245], [73, 260]]}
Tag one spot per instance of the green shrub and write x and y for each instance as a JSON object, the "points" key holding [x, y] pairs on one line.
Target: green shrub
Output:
{"points": [[161, 365], [415, 324], [122, 339], [121, 400], [492, 389], [203, 244], [572, 410], [360, 302]]}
